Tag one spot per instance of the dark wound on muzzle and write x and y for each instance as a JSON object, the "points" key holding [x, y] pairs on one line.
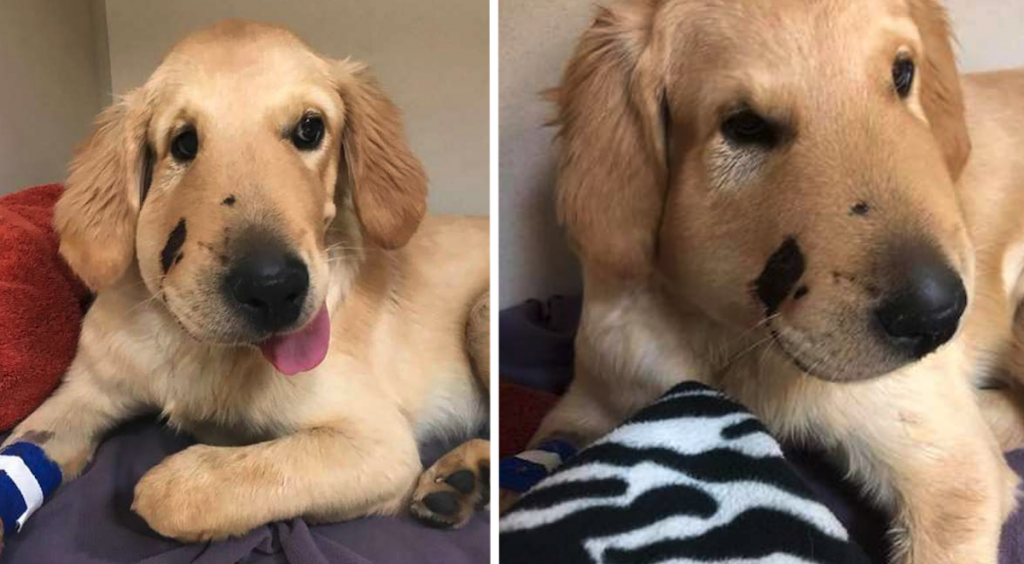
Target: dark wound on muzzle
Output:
{"points": [[781, 273], [171, 253]]}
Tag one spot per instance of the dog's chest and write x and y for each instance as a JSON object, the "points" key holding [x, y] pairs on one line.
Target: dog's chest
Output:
{"points": [[229, 399]]}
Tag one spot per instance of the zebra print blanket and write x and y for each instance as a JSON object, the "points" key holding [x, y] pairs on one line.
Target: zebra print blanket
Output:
{"points": [[694, 478]]}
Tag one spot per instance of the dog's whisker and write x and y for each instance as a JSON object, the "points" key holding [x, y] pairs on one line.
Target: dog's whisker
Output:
{"points": [[736, 358], [156, 296], [730, 360]]}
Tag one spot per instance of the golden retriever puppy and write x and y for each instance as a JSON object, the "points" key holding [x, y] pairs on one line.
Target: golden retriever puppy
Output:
{"points": [[251, 213], [802, 203]]}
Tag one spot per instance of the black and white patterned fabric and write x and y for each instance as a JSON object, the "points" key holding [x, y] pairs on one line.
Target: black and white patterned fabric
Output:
{"points": [[694, 478]]}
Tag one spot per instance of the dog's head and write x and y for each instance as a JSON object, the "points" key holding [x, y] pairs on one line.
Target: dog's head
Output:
{"points": [[234, 178], [785, 167]]}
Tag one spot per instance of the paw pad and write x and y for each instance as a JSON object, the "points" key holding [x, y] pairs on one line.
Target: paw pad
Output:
{"points": [[442, 503], [449, 501], [464, 481]]}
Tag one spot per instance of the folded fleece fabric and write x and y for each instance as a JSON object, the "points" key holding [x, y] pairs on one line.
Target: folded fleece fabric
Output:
{"points": [[41, 304], [694, 478]]}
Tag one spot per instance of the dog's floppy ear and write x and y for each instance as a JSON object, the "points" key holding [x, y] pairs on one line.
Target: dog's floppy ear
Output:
{"points": [[95, 217], [941, 95], [389, 187], [612, 170]]}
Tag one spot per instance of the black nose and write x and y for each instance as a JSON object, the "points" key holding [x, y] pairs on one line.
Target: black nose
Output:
{"points": [[269, 288], [926, 312]]}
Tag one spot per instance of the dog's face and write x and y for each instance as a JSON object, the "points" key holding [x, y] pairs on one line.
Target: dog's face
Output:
{"points": [[232, 176], [786, 168]]}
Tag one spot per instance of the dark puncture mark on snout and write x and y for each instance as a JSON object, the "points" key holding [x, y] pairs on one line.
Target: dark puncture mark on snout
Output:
{"points": [[229, 201], [781, 273], [860, 208], [35, 437], [169, 256]]}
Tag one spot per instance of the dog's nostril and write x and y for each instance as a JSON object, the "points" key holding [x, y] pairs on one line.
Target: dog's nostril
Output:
{"points": [[926, 312], [269, 288]]}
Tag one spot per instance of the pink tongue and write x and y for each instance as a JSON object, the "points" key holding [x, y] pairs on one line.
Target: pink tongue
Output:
{"points": [[302, 350]]}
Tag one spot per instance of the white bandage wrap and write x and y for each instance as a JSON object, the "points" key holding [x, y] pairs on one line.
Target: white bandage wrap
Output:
{"points": [[549, 460], [26, 483], [27, 478]]}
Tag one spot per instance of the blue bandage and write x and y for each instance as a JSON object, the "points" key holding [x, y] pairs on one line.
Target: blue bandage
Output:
{"points": [[521, 472], [27, 478]]}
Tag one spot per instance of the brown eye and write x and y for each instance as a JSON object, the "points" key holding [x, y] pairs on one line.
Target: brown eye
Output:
{"points": [[903, 71], [185, 145], [747, 128], [308, 133]]}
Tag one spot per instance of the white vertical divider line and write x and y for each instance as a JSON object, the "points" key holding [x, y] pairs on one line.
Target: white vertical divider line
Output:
{"points": [[495, 290]]}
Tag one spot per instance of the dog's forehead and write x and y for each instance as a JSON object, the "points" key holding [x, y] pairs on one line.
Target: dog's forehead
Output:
{"points": [[241, 51], [751, 48], [242, 71], [785, 27]]}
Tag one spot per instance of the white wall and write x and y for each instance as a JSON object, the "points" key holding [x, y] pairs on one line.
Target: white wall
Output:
{"points": [[51, 85], [991, 33], [536, 38], [431, 57]]}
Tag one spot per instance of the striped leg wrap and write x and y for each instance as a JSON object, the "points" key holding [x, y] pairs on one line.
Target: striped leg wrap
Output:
{"points": [[27, 478]]}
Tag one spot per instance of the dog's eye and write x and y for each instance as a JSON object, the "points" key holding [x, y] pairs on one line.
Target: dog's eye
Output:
{"points": [[308, 133], [903, 71], [748, 128], [185, 146]]}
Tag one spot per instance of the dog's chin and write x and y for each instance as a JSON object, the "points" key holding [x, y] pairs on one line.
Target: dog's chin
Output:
{"points": [[821, 359], [227, 335], [225, 328]]}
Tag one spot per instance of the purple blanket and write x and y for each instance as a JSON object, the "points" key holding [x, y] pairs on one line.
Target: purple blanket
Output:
{"points": [[536, 351], [89, 521]]}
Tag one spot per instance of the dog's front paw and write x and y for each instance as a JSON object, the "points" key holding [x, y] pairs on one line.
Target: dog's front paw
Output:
{"points": [[188, 497], [450, 491]]}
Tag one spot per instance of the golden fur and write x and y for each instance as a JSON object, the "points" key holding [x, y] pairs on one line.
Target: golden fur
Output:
{"points": [[673, 226], [334, 443]]}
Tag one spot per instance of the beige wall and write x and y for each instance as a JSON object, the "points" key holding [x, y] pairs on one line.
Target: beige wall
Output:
{"points": [[536, 38], [52, 86], [432, 58], [991, 32]]}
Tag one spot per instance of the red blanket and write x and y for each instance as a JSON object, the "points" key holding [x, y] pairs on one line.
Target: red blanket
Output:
{"points": [[40, 304]]}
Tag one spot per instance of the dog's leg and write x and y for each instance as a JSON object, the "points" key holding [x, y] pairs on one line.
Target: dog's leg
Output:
{"points": [[339, 470], [459, 483], [478, 339], [581, 416], [1003, 410], [69, 425], [918, 445], [953, 496], [1002, 402]]}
